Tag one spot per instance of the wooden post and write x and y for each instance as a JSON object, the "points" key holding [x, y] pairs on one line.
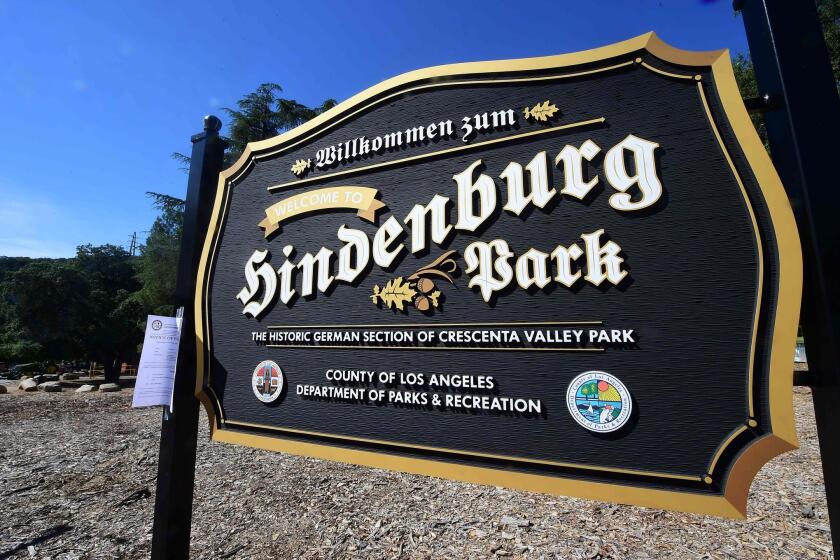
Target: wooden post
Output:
{"points": [[793, 69], [179, 429]]}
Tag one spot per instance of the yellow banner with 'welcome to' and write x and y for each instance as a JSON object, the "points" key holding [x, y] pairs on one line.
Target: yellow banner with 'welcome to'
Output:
{"points": [[352, 197]]}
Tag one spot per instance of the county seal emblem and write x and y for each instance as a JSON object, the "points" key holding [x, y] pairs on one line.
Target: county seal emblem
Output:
{"points": [[267, 381], [599, 402]]}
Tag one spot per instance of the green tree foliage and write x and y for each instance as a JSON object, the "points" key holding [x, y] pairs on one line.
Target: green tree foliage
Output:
{"points": [[111, 331], [42, 312], [263, 114], [829, 12], [76, 308], [158, 264], [15, 343], [589, 389], [8, 265], [745, 76]]}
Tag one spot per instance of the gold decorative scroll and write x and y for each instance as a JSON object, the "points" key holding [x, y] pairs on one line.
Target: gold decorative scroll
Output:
{"points": [[352, 197]]}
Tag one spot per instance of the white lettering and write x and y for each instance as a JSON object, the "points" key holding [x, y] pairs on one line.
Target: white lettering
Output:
{"points": [[484, 188], [645, 173]]}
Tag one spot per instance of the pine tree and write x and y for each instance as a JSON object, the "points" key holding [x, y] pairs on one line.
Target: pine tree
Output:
{"points": [[263, 114]]}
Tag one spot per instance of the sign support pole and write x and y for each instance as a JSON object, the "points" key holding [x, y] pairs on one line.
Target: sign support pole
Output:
{"points": [[179, 428], [794, 74]]}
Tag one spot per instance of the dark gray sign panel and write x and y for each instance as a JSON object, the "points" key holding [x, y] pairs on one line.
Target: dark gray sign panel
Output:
{"points": [[575, 274]]}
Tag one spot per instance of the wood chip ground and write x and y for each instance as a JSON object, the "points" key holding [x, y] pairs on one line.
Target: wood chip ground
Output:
{"points": [[77, 480]]}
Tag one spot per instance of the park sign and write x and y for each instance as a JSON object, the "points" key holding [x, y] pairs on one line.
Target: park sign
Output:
{"points": [[576, 274]]}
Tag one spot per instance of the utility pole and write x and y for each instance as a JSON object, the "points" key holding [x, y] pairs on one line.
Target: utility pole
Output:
{"points": [[133, 247]]}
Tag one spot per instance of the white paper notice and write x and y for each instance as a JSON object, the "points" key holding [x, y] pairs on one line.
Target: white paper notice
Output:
{"points": [[156, 374]]}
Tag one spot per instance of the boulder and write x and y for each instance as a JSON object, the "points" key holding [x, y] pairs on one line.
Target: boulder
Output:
{"points": [[50, 387], [3, 389], [50, 377], [28, 385], [69, 376], [86, 389], [109, 388]]}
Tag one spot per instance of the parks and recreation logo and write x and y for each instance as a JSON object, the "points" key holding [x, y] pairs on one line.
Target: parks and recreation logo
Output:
{"points": [[598, 401], [267, 381]]}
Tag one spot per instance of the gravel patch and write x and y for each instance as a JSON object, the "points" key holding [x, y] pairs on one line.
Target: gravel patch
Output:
{"points": [[77, 480]]}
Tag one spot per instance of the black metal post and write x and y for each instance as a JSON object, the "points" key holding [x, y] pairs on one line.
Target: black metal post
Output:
{"points": [[792, 65], [179, 429]]}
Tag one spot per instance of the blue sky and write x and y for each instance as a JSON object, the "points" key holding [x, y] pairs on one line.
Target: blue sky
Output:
{"points": [[95, 95]]}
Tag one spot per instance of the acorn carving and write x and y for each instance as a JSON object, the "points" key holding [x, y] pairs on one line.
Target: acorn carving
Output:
{"points": [[418, 288], [425, 285], [422, 303]]}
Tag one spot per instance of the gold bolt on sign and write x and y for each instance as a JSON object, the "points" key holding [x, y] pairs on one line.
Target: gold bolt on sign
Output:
{"points": [[300, 166], [541, 111]]}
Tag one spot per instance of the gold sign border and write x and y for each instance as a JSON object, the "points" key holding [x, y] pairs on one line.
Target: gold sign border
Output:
{"points": [[733, 502]]}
